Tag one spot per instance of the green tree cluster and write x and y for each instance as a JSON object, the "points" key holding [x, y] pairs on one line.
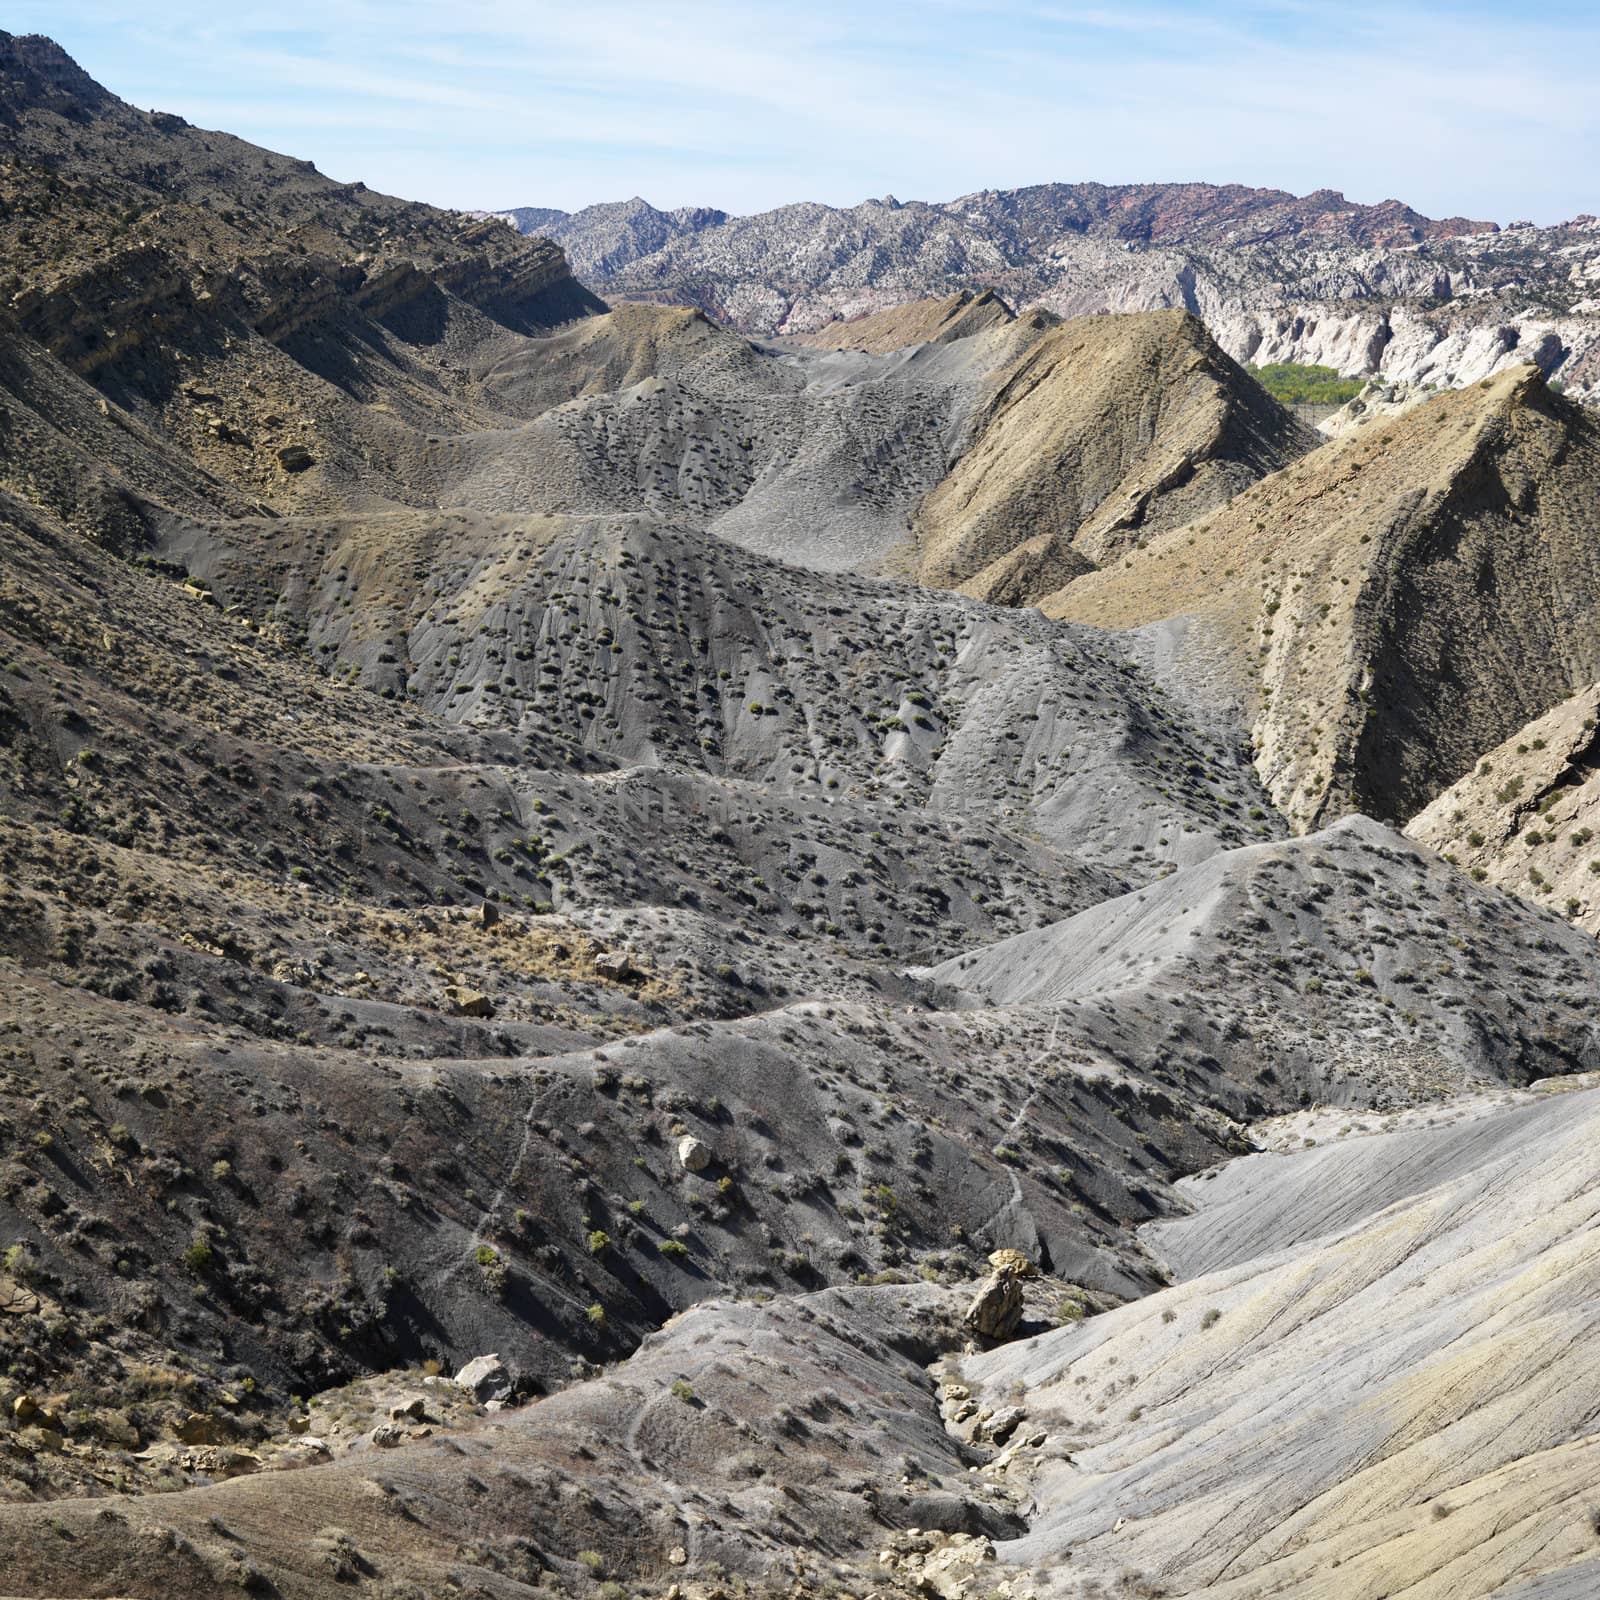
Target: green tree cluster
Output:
{"points": [[1297, 385]]}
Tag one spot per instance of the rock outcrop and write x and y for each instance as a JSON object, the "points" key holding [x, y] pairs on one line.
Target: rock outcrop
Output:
{"points": [[996, 1309], [485, 1378], [1379, 399]]}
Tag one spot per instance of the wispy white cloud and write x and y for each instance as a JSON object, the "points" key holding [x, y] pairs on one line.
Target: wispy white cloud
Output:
{"points": [[1456, 107]]}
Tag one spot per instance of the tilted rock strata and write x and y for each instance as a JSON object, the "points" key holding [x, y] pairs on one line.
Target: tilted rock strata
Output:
{"points": [[1388, 606], [1107, 431]]}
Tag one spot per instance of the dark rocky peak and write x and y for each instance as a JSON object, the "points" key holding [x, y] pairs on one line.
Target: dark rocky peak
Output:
{"points": [[36, 74]]}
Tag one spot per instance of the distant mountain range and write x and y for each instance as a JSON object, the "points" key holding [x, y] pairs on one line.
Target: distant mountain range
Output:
{"points": [[1314, 278]]}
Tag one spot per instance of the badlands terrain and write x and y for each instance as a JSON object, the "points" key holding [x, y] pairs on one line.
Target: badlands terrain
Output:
{"points": [[944, 955]]}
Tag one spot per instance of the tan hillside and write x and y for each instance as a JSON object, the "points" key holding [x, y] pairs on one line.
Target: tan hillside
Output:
{"points": [[1527, 817], [936, 320], [1106, 431], [1393, 605]]}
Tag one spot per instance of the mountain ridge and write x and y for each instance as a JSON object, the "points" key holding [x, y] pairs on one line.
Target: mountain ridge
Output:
{"points": [[1313, 278], [1163, 427], [1399, 557]]}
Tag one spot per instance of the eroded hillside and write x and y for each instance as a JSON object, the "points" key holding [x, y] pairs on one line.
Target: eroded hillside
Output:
{"points": [[1106, 432], [1390, 606]]}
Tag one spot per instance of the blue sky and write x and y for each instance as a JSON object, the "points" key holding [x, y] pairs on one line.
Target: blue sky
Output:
{"points": [[1458, 109]]}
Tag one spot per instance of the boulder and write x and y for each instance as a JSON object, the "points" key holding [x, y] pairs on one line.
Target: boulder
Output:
{"points": [[617, 965], [1013, 1261], [15, 1300], [485, 1378], [387, 1435], [198, 1428], [29, 1412], [460, 1002], [210, 1462], [307, 1452], [694, 1153], [1003, 1423], [996, 1309], [295, 458]]}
